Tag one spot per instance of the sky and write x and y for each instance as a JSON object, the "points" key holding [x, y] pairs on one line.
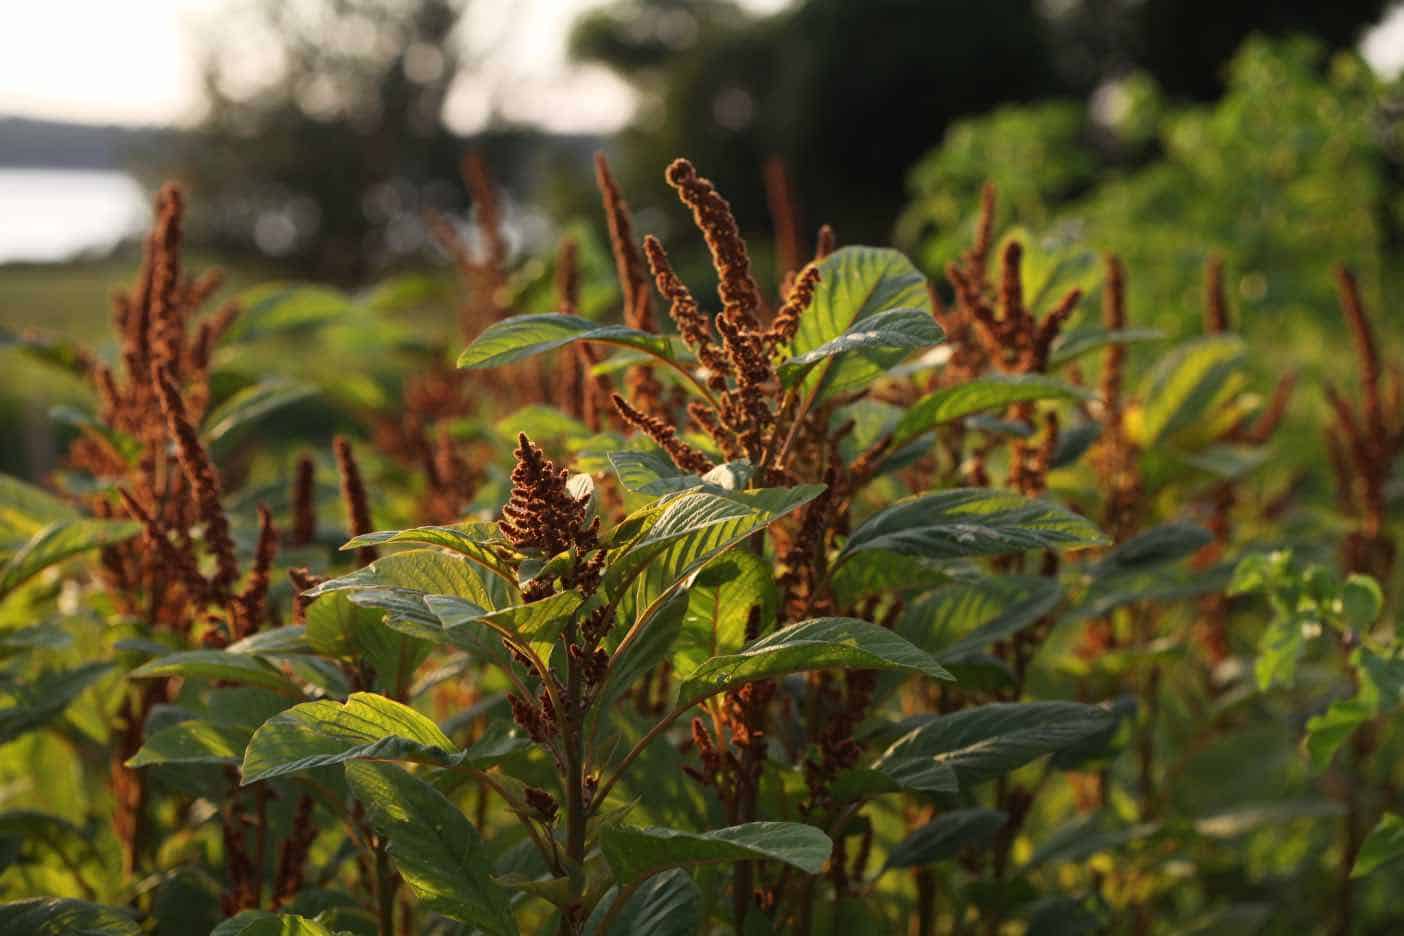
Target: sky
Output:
{"points": [[136, 62]]}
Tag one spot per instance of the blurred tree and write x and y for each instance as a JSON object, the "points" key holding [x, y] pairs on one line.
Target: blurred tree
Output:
{"points": [[845, 92], [323, 139], [849, 94]]}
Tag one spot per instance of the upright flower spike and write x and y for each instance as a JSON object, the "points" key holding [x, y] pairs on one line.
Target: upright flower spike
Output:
{"points": [[690, 320], [711, 212], [353, 495], [204, 480]]}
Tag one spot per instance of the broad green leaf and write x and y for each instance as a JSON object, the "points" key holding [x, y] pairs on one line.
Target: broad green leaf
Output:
{"points": [[536, 625], [263, 923], [653, 473], [719, 604], [878, 341], [689, 531], [1361, 601], [343, 630], [193, 742], [472, 539], [251, 404], [856, 283], [945, 836], [1282, 643], [668, 904], [642, 655], [436, 850], [635, 853], [822, 643], [1164, 543], [216, 664], [1384, 845], [967, 522], [1184, 384], [53, 916], [26, 509], [522, 336], [365, 727], [1075, 344], [430, 571], [1328, 731], [42, 699], [273, 309], [994, 392], [979, 744], [963, 618], [873, 573], [59, 541]]}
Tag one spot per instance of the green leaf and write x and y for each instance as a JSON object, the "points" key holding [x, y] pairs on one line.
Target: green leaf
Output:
{"points": [[653, 473], [879, 341], [365, 727], [856, 283], [1361, 601], [668, 904], [719, 604], [986, 393], [217, 664], [1185, 383], [53, 916], [689, 531], [274, 309], [635, 853], [251, 404], [472, 539], [59, 541], [966, 522], [263, 923], [1164, 543], [436, 850], [961, 619], [1075, 344], [430, 571], [522, 336], [1328, 731], [945, 836], [193, 742], [822, 643], [44, 698], [26, 509], [535, 625], [1282, 643], [979, 744], [1384, 844]]}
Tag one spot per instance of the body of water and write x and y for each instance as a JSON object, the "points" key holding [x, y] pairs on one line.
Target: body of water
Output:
{"points": [[49, 215]]}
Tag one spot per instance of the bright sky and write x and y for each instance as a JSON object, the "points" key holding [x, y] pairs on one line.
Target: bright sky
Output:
{"points": [[135, 61]]}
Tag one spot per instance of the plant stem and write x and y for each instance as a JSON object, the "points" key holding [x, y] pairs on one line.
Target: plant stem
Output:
{"points": [[573, 726], [385, 886]]}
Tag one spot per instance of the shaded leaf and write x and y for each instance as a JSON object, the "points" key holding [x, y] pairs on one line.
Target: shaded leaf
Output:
{"points": [[979, 744], [822, 643], [217, 664], [1384, 844], [53, 916], [985, 393], [436, 850], [944, 837], [668, 904], [635, 853], [966, 522]]}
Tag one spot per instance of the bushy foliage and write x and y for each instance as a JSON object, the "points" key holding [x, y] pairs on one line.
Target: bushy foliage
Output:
{"points": [[858, 600]]}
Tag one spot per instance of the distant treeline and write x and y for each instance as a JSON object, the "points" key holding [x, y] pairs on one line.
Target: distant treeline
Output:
{"points": [[51, 144]]}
